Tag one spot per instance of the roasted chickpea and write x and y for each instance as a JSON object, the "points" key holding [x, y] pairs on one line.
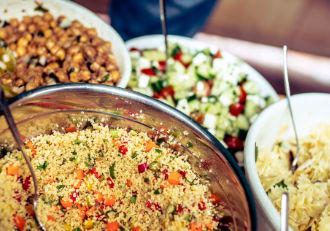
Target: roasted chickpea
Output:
{"points": [[22, 27], [92, 32], [115, 75], [108, 45], [84, 75], [27, 19], [48, 33], [95, 67], [36, 18], [12, 46], [74, 77], [22, 42], [48, 16], [53, 23], [60, 54], [3, 33], [54, 49], [50, 44], [13, 22], [32, 50], [83, 38], [109, 66], [28, 36], [61, 75], [74, 49], [90, 51], [32, 28], [42, 51], [78, 58], [19, 82], [20, 51]]}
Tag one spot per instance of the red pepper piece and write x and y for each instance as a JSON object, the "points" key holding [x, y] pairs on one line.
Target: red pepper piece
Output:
{"points": [[142, 167], [167, 91], [74, 195], [26, 183], [202, 205], [148, 71], [243, 95], [123, 149], [217, 55], [94, 172], [134, 49], [183, 173], [236, 109], [162, 66], [234, 142], [110, 182]]}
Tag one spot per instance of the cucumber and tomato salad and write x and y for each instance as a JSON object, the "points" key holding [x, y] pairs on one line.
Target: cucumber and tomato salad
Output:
{"points": [[210, 89]]}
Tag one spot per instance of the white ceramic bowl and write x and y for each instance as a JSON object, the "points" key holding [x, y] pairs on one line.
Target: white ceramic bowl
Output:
{"points": [[309, 110], [19, 8], [156, 41]]}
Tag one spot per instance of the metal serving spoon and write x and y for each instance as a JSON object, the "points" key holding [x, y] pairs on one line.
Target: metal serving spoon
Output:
{"points": [[162, 7], [13, 128], [288, 96], [284, 212]]}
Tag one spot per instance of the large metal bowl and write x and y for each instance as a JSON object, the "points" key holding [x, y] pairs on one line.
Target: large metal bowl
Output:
{"points": [[38, 111]]}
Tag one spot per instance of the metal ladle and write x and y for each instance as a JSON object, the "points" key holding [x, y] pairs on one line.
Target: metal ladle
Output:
{"points": [[288, 96], [4, 108], [162, 7], [284, 211]]}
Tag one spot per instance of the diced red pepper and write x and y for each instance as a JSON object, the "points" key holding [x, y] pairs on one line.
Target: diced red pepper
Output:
{"points": [[19, 222], [148, 71], [110, 182], [74, 195], [142, 167], [17, 197], [134, 49], [167, 91], [197, 116], [234, 142], [123, 149], [94, 172], [201, 205], [178, 56], [179, 209], [242, 95], [156, 206], [70, 129], [217, 55], [236, 109], [183, 173], [26, 183], [162, 66]]}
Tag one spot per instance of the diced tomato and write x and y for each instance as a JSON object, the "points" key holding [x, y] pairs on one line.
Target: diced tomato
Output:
{"points": [[201, 205], [142, 167], [134, 49], [110, 182], [236, 109], [162, 66], [183, 173], [123, 149], [148, 71], [178, 56], [214, 199], [94, 172], [26, 183], [70, 129], [234, 142], [19, 222], [74, 195], [167, 91], [242, 95], [217, 55]]}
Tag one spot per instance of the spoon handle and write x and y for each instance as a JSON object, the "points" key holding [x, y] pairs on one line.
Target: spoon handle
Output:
{"points": [[4, 109], [162, 6], [288, 96], [284, 211]]}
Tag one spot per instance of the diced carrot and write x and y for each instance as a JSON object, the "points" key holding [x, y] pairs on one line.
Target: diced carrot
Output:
{"points": [[98, 197], [117, 142], [110, 201], [129, 183], [81, 214], [56, 208], [82, 208], [150, 145], [90, 212], [66, 204], [98, 159], [51, 180], [165, 184], [12, 170], [195, 227], [77, 184], [70, 129], [174, 178], [19, 222], [51, 218], [214, 198], [31, 147], [137, 228], [30, 210], [208, 226], [79, 174], [112, 226]]}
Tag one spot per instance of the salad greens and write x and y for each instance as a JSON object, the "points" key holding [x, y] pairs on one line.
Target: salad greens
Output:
{"points": [[215, 92]]}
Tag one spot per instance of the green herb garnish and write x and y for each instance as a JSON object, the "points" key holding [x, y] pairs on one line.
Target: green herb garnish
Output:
{"points": [[134, 155], [281, 184], [74, 153], [72, 158], [114, 133], [60, 186], [158, 150], [133, 199], [146, 180], [158, 191], [41, 9], [42, 166], [112, 171]]}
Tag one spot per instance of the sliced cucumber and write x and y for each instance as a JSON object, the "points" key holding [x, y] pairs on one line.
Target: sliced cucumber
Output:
{"points": [[154, 55]]}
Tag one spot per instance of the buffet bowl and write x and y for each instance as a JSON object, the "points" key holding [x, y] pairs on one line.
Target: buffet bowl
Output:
{"points": [[50, 108]]}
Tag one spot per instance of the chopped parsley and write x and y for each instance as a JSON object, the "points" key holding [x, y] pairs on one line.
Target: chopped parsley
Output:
{"points": [[133, 199], [281, 184], [134, 155], [42, 166], [112, 171]]}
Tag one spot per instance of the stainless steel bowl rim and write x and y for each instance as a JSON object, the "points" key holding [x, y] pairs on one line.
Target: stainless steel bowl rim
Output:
{"points": [[160, 106]]}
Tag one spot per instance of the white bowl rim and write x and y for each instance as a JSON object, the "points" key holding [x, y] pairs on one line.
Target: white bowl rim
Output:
{"points": [[262, 200], [254, 75]]}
